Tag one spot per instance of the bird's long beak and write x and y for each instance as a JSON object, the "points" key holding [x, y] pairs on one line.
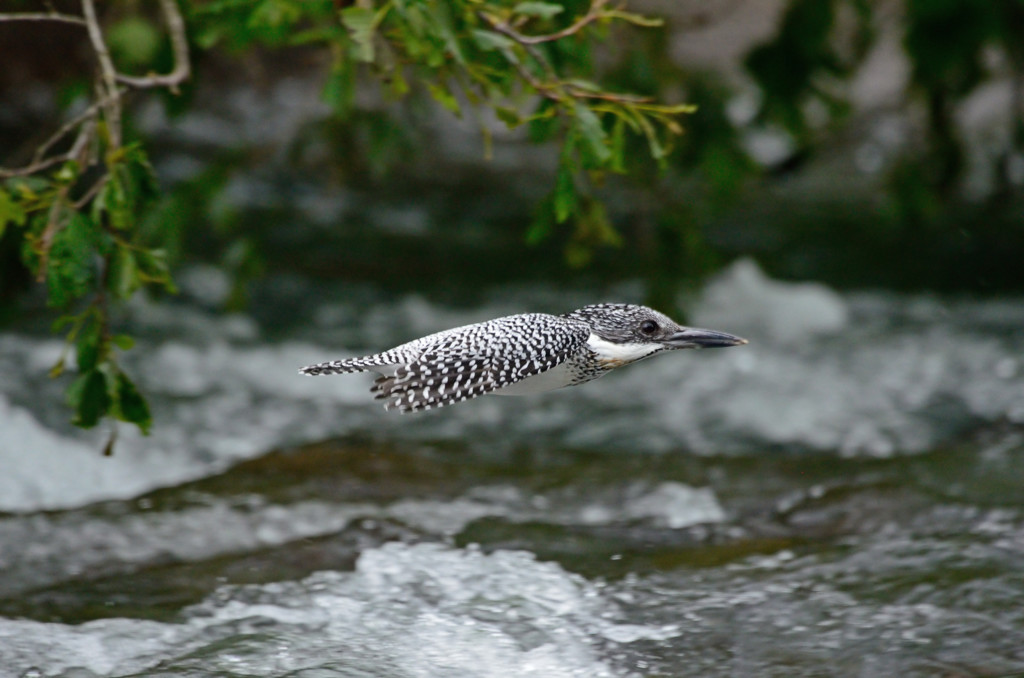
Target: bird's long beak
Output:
{"points": [[692, 337]]}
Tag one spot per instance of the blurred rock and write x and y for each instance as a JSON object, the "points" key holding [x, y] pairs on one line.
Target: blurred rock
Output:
{"points": [[744, 300]]}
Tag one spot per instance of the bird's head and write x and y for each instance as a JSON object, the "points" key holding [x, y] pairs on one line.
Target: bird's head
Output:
{"points": [[627, 332]]}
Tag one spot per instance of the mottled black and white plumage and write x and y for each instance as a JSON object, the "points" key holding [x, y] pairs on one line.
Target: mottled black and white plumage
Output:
{"points": [[520, 354]]}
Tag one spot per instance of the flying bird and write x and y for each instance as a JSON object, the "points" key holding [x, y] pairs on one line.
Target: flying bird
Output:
{"points": [[521, 354]]}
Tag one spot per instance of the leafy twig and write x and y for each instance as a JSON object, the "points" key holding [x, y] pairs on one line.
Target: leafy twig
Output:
{"points": [[554, 88], [53, 224], [40, 163], [75, 248], [593, 14]]}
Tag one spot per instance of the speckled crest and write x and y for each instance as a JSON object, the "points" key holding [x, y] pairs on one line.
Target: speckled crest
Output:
{"points": [[620, 323]]}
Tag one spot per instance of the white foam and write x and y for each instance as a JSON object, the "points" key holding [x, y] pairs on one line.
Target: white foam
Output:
{"points": [[42, 469], [410, 610], [676, 505]]}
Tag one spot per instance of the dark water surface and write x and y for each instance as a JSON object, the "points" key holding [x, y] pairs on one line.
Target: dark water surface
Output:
{"points": [[844, 497]]}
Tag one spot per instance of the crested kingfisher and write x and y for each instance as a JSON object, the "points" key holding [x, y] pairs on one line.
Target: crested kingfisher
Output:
{"points": [[521, 354]]}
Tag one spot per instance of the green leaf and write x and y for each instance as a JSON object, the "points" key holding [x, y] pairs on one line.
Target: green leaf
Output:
{"points": [[592, 133], [490, 41], [361, 24], [89, 346], [565, 199], [397, 83], [442, 26], [618, 148], [10, 212], [71, 265], [131, 406], [635, 19], [140, 175], [543, 123], [67, 173], [122, 341], [585, 85], [541, 10], [112, 202], [124, 276], [445, 98], [509, 116], [272, 20], [89, 399], [312, 36], [542, 225], [152, 266], [658, 151], [62, 322], [339, 90], [130, 184], [674, 109], [57, 369]]}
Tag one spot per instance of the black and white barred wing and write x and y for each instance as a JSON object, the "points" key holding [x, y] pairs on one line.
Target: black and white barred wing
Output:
{"points": [[467, 362], [480, 359], [435, 381]]}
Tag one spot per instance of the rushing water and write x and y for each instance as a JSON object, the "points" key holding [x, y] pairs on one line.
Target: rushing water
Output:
{"points": [[842, 497]]}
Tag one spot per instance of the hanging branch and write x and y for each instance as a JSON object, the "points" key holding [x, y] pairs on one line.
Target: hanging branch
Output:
{"points": [[109, 100], [79, 216]]}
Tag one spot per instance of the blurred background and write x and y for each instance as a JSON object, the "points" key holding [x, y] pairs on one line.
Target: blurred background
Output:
{"points": [[842, 497]]}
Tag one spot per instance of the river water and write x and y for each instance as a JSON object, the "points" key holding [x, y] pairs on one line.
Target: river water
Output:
{"points": [[842, 497]]}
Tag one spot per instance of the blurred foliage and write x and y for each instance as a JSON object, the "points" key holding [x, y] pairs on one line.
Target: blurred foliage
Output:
{"points": [[79, 238], [530, 63], [83, 214], [81, 202], [793, 68], [77, 203], [947, 43]]}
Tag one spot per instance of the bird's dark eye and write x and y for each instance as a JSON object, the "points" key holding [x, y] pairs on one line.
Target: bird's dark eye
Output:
{"points": [[648, 327]]}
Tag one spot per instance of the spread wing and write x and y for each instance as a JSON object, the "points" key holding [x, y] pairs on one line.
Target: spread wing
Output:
{"points": [[435, 381]]}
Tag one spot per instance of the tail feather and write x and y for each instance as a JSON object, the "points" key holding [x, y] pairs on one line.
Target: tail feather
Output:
{"points": [[384, 363], [333, 367]]}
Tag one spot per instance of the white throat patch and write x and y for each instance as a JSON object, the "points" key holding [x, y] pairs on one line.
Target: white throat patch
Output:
{"points": [[616, 355]]}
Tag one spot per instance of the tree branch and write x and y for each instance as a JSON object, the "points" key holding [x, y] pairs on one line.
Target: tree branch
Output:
{"points": [[179, 46], [555, 89], [43, 16], [40, 163], [592, 15], [108, 84], [109, 99], [53, 224], [175, 29]]}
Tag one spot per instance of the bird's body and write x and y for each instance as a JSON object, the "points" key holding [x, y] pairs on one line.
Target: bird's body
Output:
{"points": [[520, 354]]}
